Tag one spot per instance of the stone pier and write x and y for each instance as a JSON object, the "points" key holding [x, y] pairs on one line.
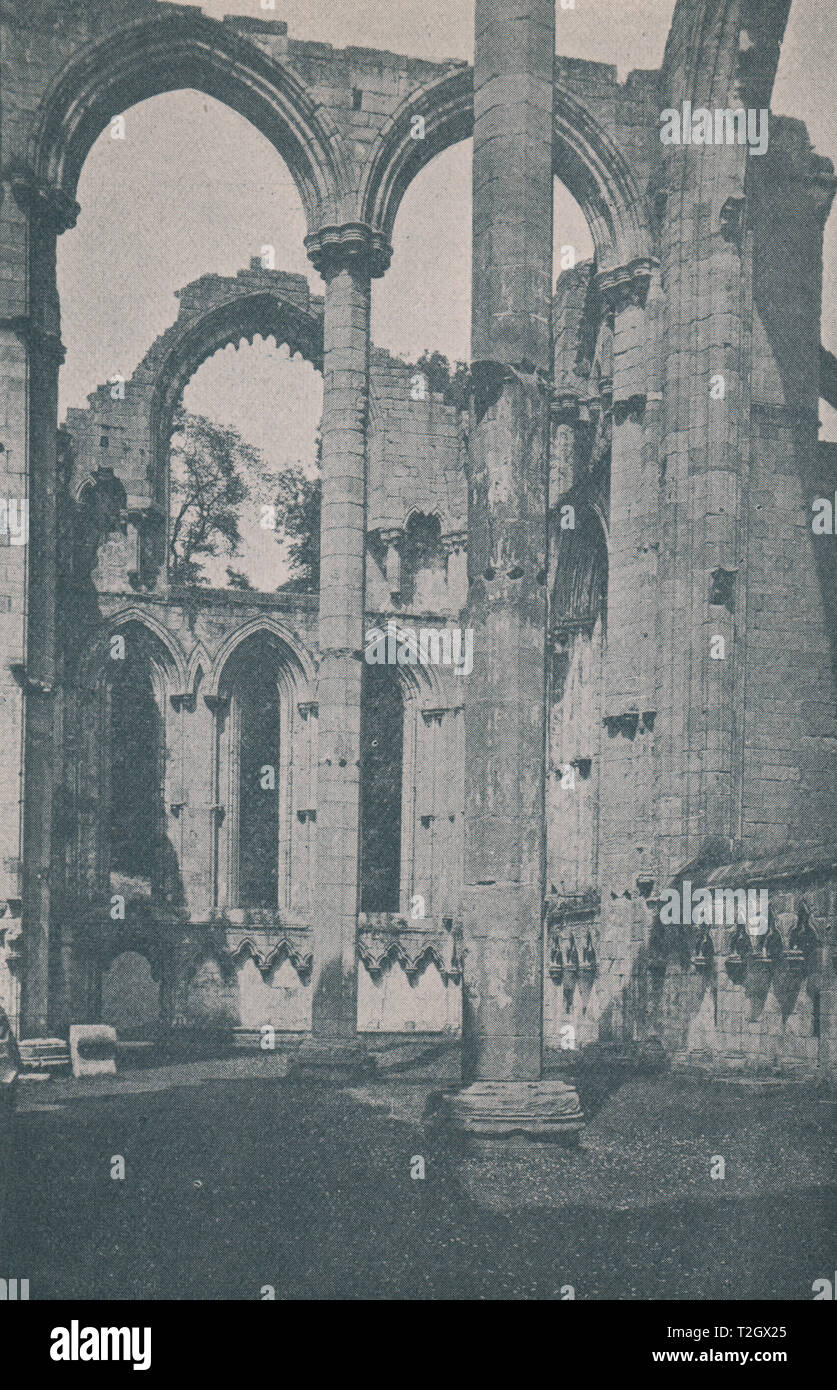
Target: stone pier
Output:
{"points": [[507, 563]]}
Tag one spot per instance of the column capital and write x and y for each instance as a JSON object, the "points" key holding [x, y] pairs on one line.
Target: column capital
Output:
{"points": [[354, 245], [43, 202], [627, 284], [33, 336], [454, 541], [565, 406]]}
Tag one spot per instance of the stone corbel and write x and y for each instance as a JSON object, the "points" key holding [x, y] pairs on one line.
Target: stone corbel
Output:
{"points": [[625, 723], [433, 716], [455, 549], [627, 285], [308, 709], [565, 407], [183, 700], [44, 203], [11, 943], [32, 685]]}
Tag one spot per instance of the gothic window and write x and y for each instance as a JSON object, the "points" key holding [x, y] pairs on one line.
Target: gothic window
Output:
{"points": [[258, 791], [423, 567], [382, 744], [253, 740], [136, 759]]}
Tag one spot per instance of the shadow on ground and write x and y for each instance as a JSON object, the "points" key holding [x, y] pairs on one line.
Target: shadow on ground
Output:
{"points": [[235, 1183]]}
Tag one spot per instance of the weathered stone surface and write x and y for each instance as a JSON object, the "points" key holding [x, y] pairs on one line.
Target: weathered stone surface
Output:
{"points": [[539, 1109]]}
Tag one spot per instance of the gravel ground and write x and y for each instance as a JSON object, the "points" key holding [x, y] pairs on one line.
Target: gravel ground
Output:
{"points": [[237, 1178]]}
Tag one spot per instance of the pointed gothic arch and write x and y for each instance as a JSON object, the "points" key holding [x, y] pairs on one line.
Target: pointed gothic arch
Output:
{"points": [[586, 160], [169, 52]]}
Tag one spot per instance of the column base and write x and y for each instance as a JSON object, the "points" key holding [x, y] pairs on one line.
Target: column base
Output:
{"points": [[331, 1063], [538, 1109]]}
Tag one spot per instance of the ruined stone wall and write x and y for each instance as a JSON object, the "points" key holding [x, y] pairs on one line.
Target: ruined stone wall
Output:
{"points": [[257, 964]]}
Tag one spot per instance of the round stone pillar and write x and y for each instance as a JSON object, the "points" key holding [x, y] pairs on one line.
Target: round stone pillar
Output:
{"points": [[347, 258], [505, 694]]}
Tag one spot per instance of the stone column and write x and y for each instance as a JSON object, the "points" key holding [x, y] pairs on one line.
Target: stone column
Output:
{"points": [[507, 519], [37, 327], [346, 258]]}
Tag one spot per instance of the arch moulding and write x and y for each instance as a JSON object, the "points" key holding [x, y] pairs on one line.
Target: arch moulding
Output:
{"points": [[586, 160], [300, 662], [169, 52]]}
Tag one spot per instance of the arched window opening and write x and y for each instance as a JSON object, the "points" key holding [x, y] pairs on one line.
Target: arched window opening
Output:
{"points": [[249, 428], [188, 160], [185, 151], [258, 791], [136, 770], [382, 753], [424, 301], [423, 571], [252, 843]]}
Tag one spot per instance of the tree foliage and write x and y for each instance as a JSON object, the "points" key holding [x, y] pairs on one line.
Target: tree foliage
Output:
{"points": [[452, 383], [298, 500], [210, 466], [297, 509]]}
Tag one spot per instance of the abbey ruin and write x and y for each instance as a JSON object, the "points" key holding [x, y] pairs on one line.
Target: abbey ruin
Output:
{"points": [[621, 518]]}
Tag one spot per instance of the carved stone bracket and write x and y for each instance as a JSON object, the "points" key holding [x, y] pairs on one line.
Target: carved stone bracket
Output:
{"points": [[629, 722], [39, 200], [11, 943], [33, 685], [435, 716], [626, 284], [566, 406]]}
